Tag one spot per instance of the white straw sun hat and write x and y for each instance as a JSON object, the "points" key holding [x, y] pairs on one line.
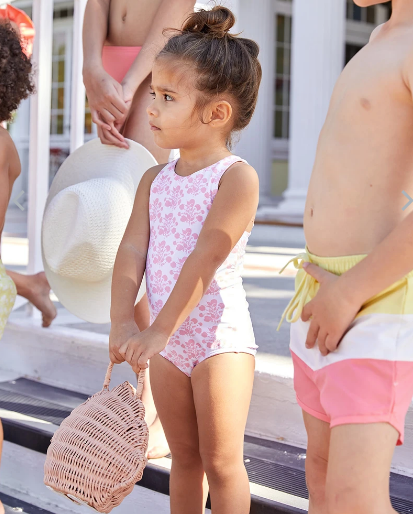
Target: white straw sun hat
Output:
{"points": [[87, 210]]}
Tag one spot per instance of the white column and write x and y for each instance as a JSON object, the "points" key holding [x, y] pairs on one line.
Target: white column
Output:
{"points": [[39, 129], [318, 39], [77, 114], [256, 21]]}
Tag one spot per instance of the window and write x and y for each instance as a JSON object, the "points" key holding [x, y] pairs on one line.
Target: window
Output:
{"points": [[282, 76], [364, 14], [59, 84]]}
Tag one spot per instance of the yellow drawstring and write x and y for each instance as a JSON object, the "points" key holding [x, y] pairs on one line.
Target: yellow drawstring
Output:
{"points": [[297, 301]]}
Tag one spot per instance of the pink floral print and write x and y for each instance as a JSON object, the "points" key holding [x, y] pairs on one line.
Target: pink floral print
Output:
{"points": [[221, 321]]}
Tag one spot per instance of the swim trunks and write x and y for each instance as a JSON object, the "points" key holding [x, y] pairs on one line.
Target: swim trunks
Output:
{"points": [[369, 378], [117, 60], [221, 322], [8, 293]]}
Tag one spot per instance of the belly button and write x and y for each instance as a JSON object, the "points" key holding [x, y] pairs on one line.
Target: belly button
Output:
{"points": [[124, 17], [312, 212]]}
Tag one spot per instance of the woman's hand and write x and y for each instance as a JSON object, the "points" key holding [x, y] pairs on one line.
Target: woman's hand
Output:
{"points": [[143, 346], [120, 333], [331, 311], [107, 105]]}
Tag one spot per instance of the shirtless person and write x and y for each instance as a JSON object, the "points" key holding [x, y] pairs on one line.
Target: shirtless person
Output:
{"points": [[120, 41], [352, 343]]}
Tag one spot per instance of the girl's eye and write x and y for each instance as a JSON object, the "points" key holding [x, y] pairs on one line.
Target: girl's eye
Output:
{"points": [[152, 93], [168, 98]]}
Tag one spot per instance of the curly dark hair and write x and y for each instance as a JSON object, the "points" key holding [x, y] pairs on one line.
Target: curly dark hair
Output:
{"points": [[16, 81]]}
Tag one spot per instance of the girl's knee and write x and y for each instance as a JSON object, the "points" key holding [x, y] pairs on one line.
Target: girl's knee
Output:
{"points": [[221, 467], [185, 455]]}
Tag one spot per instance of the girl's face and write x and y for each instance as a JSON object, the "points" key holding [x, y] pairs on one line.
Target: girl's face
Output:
{"points": [[173, 117]]}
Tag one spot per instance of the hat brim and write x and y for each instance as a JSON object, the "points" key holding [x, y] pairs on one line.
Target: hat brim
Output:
{"points": [[91, 301]]}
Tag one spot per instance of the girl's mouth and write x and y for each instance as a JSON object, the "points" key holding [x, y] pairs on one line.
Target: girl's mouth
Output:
{"points": [[154, 127]]}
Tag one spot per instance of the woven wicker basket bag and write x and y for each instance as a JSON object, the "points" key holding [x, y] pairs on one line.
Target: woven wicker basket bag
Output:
{"points": [[99, 452]]}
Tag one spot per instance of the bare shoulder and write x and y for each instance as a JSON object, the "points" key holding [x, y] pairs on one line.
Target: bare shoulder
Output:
{"points": [[150, 175], [376, 32], [241, 174]]}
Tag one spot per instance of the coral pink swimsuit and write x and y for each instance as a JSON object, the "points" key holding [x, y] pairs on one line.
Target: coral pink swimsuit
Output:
{"points": [[221, 321]]}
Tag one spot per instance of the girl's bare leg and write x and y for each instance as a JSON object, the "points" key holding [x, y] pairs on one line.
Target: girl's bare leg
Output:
{"points": [[222, 388], [174, 400], [158, 446], [36, 289], [137, 126]]}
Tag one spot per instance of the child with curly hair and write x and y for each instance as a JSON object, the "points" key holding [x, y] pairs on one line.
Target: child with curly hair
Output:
{"points": [[15, 85]]}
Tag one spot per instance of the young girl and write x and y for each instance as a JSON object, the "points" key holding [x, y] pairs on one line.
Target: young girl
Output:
{"points": [[15, 84], [189, 228]]}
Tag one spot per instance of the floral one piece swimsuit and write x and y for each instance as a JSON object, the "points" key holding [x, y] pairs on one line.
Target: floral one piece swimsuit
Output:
{"points": [[221, 322]]}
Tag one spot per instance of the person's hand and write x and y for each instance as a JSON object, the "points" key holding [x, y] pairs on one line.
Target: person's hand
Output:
{"points": [[120, 333], [331, 311], [143, 346], [107, 105], [111, 137]]}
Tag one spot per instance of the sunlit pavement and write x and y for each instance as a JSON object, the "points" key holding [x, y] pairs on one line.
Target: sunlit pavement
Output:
{"points": [[268, 292]]}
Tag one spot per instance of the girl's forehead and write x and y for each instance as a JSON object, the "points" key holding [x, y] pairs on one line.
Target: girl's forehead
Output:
{"points": [[172, 73]]}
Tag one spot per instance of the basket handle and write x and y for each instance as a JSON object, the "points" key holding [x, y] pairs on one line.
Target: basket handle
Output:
{"points": [[140, 376]]}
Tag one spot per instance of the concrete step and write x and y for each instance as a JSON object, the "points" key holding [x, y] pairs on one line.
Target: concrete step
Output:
{"points": [[21, 486], [31, 412], [77, 360]]}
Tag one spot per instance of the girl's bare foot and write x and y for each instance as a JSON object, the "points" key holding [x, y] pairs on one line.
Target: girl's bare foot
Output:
{"points": [[1, 508], [158, 446], [38, 294]]}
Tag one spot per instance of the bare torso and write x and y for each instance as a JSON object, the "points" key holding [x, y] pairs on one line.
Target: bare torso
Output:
{"points": [[130, 21], [365, 152], [14, 168]]}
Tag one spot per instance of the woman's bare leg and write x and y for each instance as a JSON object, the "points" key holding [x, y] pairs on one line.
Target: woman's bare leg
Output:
{"points": [[36, 289], [222, 388], [158, 446], [174, 400], [137, 125]]}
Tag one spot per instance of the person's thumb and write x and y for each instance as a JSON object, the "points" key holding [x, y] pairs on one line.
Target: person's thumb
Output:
{"points": [[316, 272]]}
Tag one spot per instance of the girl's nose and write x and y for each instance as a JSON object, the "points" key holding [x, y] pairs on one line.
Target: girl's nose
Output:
{"points": [[151, 110]]}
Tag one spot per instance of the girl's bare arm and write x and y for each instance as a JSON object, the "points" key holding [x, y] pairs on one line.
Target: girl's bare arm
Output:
{"points": [[131, 257]]}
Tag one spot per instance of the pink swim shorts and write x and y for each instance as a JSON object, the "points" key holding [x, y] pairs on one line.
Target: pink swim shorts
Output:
{"points": [[117, 60], [369, 378]]}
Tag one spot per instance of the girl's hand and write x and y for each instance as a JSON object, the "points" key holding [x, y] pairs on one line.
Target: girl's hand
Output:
{"points": [[143, 346], [120, 333], [331, 311]]}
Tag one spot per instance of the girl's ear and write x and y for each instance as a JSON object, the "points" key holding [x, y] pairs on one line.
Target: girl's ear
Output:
{"points": [[221, 113]]}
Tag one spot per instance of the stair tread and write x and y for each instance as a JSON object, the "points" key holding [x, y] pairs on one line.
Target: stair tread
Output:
{"points": [[13, 505], [271, 465]]}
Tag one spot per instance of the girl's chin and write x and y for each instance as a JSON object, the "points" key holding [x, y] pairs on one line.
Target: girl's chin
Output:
{"points": [[163, 143]]}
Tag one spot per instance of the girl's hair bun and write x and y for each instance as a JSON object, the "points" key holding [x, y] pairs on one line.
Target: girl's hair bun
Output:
{"points": [[216, 22]]}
